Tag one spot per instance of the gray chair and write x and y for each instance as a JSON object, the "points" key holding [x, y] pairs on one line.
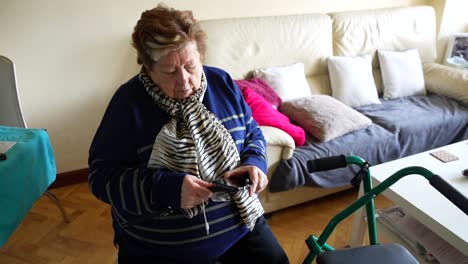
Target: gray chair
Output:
{"points": [[10, 110]]}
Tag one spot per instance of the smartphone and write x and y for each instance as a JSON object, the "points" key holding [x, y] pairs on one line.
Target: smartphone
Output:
{"points": [[240, 181], [221, 187]]}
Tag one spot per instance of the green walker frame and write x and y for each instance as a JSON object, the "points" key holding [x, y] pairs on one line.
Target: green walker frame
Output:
{"points": [[316, 245]]}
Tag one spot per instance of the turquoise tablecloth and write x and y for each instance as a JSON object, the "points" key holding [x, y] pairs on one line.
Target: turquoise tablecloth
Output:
{"points": [[24, 176]]}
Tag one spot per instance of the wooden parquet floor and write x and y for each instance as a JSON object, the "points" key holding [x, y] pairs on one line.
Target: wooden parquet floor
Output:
{"points": [[43, 237]]}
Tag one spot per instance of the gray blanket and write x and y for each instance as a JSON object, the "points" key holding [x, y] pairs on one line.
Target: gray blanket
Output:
{"points": [[402, 127], [421, 122]]}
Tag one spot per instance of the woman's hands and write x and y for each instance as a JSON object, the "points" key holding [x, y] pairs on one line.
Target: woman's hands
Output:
{"points": [[257, 178], [194, 191]]}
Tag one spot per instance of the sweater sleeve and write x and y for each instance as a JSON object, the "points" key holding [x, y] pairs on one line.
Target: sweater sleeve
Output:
{"points": [[254, 152], [118, 173]]}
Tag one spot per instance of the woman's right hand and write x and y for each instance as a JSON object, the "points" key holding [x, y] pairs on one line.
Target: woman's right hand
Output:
{"points": [[194, 191]]}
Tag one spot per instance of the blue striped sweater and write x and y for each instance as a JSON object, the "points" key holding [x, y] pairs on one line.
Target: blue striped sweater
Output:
{"points": [[141, 197]]}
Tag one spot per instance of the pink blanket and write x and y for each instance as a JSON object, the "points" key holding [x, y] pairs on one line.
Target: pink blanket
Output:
{"points": [[265, 114]]}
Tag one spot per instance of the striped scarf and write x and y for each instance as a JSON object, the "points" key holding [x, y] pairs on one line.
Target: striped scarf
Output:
{"points": [[196, 142]]}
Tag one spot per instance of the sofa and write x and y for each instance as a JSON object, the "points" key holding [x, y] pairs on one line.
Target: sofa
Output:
{"points": [[390, 127]]}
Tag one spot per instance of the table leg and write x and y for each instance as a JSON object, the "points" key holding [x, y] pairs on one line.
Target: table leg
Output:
{"points": [[358, 228], [59, 205]]}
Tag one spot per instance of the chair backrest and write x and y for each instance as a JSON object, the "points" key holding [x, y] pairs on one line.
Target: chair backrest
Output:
{"points": [[10, 106]]}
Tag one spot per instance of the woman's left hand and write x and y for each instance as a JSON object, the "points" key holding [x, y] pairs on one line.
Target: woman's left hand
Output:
{"points": [[257, 178]]}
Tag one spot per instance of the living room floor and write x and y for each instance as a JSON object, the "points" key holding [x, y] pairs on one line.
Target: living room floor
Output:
{"points": [[44, 237]]}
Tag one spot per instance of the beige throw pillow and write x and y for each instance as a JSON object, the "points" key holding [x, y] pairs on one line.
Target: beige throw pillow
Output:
{"points": [[445, 80], [324, 117]]}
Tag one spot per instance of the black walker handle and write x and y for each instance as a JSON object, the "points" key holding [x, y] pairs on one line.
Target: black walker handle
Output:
{"points": [[450, 192], [328, 163]]}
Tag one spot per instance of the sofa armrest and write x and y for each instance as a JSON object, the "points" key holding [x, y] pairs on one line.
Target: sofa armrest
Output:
{"points": [[277, 137], [447, 81]]}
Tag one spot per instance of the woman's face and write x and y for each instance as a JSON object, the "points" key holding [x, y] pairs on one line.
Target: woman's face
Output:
{"points": [[178, 73]]}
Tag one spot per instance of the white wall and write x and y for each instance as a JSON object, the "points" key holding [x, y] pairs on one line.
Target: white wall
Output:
{"points": [[72, 55]]}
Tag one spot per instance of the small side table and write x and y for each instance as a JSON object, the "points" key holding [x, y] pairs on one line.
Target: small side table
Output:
{"points": [[25, 174]]}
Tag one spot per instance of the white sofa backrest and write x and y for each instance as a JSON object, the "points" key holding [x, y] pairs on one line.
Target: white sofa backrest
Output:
{"points": [[361, 32], [240, 45]]}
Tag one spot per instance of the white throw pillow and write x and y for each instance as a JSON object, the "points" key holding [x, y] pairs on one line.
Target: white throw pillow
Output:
{"points": [[402, 73], [351, 80], [289, 81]]}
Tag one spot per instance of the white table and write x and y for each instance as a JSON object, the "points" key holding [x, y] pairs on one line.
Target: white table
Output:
{"points": [[417, 197]]}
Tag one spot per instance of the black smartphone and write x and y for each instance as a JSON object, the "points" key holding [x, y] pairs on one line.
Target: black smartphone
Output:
{"points": [[221, 187], [240, 181]]}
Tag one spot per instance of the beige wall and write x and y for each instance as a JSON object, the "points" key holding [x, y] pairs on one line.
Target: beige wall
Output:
{"points": [[72, 55], [452, 17]]}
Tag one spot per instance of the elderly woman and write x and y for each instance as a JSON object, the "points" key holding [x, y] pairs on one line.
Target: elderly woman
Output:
{"points": [[168, 135]]}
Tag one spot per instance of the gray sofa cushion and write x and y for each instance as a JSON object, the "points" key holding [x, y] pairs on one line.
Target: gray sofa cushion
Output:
{"points": [[421, 122]]}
